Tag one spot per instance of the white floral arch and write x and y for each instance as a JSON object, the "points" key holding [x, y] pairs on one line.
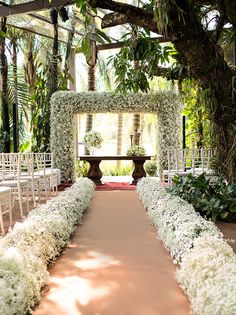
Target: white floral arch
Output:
{"points": [[65, 105]]}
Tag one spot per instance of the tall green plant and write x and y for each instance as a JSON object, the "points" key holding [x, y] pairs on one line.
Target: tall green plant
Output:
{"points": [[198, 127]]}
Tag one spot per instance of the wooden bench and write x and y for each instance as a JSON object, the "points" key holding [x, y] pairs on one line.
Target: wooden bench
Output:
{"points": [[95, 173]]}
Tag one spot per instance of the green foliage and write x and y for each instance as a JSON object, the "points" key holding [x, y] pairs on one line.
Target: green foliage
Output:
{"points": [[151, 167], [214, 200], [198, 129], [147, 54], [82, 168], [117, 171]]}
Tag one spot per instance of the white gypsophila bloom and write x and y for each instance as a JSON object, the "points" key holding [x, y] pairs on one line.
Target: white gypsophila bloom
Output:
{"points": [[65, 104], [136, 150], [208, 275], [29, 246], [207, 264], [22, 276], [93, 139]]}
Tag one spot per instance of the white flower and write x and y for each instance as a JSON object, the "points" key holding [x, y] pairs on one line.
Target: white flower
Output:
{"points": [[29, 246], [136, 150], [93, 139], [207, 264]]}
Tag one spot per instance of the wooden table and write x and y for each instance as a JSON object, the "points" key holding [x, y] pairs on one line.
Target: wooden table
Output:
{"points": [[95, 173]]}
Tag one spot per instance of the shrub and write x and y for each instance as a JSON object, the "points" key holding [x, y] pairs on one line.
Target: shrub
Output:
{"points": [[214, 200], [150, 167], [82, 168]]}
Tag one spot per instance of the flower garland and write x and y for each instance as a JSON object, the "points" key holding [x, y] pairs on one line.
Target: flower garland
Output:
{"points": [[207, 264], [27, 249], [65, 104]]}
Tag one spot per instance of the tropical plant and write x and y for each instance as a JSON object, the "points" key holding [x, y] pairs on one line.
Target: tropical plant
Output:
{"points": [[151, 167], [5, 128], [82, 168], [215, 200], [198, 127], [116, 171]]}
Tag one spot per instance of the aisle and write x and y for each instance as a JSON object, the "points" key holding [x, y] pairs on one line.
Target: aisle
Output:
{"points": [[115, 265]]}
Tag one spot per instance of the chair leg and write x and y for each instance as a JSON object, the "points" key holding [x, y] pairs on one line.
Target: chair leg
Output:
{"points": [[1, 221], [33, 192], [20, 202], [10, 209], [46, 188], [27, 198]]}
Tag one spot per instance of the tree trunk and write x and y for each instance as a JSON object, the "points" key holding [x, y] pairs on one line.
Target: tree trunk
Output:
{"points": [[15, 111], [136, 128], [119, 138], [91, 61], [215, 77], [4, 96], [136, 117], [54, 83]]}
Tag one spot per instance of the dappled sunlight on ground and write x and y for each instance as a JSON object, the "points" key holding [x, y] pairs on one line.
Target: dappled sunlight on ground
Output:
{"points": [[114, 266], [97, 260], [66, 291]]}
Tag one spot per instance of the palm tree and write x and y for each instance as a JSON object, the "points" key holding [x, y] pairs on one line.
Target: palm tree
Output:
{"points": [[91, 62], [3, 88], [119, 137], [14, 35]]}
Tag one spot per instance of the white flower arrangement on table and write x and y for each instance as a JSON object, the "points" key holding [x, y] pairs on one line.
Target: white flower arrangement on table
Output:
{"points": [[29, 246], [93, 140], [207, 264], [136, 150]]}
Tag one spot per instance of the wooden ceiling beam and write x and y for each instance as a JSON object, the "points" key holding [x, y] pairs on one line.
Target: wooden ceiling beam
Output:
{"points": [[121, 44], [46, 20], [34, 32], [32, 6]]}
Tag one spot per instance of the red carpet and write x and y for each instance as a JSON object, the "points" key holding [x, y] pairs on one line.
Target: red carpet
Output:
{"points": [[63, 186], [106, 186], [116, 186]]}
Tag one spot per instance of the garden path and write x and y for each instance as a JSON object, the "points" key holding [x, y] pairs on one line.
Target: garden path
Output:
{"points": [[115, 265]]}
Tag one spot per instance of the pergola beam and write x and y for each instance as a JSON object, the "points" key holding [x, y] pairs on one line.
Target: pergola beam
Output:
{"points": [[121, 44], [44, 19], [32, 6], [33, 32]]}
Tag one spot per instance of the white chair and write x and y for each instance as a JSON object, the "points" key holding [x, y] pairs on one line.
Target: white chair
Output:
{"points": [[11, 177], [178, 163], [185, 161], [5, 205], [27, 172], [44, 168]]}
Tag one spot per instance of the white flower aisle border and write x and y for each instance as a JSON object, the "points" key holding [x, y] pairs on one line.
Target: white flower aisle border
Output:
{"points": [[207, 264], [28, 248]]}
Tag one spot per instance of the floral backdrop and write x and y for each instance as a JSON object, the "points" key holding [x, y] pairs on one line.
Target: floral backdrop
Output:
{"points": [[65, 104]]}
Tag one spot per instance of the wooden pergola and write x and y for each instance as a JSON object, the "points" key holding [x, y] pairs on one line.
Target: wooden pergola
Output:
{"points": [[34, 9]]}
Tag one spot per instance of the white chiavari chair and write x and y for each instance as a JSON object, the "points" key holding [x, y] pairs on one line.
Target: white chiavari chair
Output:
{"points": [[27, 172], [50, 175], [11, 177], [5, 205], [185, 161]]}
